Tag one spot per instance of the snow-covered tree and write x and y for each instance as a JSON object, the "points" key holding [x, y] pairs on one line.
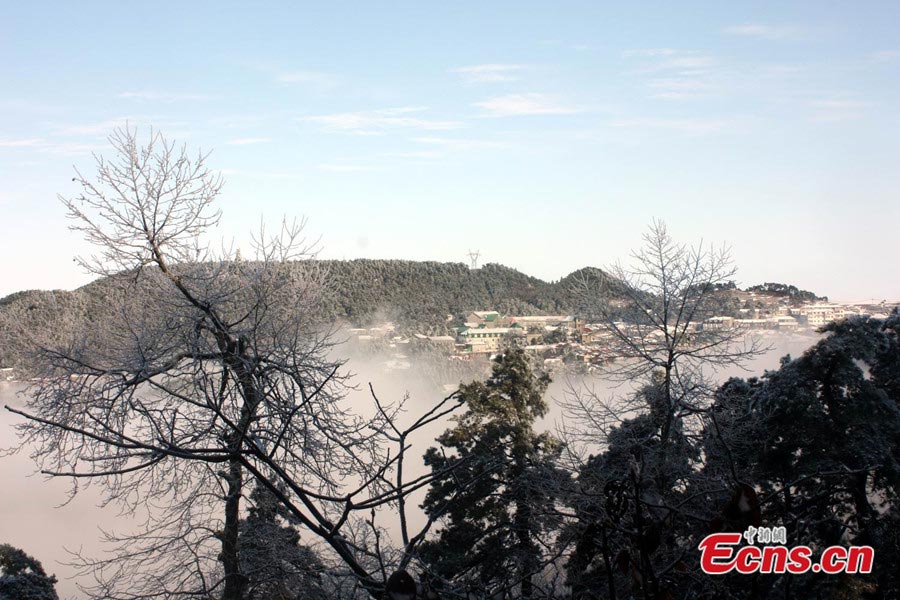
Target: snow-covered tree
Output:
{"points": [[22, 577], [496, 508]]}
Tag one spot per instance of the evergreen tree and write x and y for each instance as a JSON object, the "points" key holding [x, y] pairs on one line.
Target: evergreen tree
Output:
{"points": [[22, 577], [277, 565], [497, 506], [820, 440], [813, 446]]}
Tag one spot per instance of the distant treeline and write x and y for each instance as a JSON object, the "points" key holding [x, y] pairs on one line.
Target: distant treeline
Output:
{"points": [[415, 295], [421, 293], [796, 295]]}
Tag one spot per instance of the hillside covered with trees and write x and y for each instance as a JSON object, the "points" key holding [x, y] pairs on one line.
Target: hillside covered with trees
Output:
{"points": [[416, 295], [792, 292]]}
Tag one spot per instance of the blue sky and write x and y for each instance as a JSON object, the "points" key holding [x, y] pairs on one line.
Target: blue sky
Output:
{"points": [[545, 134]]}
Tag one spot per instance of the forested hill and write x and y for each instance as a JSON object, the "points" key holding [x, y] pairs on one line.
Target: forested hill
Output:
{"points": [[420, 293], [783, 290], [415, 295]]}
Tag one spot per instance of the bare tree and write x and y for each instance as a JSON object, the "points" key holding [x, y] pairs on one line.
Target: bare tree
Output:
{"points": [[654, 314], [205, 373], [655, 318]]}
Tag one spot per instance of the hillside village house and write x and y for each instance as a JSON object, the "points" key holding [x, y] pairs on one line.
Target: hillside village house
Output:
{"points": [[784, 322], [445, 343], [811, 315], [490, 339], [542, 321], [719, 323], [492, 318], [591, 335], [483, 318], [817, 315], [485, 330]]}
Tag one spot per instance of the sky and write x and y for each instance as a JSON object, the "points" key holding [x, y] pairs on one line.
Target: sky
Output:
{"points": [[546, 135]]}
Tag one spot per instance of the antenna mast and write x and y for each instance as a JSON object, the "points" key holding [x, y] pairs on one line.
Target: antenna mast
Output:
{"points": [[473, 258]]}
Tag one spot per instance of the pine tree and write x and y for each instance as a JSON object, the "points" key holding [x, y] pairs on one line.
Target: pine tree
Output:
{"points": [[496, 507], [22, 577], [277, 565], [819, 439]]}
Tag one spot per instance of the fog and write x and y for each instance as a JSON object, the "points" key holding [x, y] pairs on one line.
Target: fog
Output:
{"points": [[33, 517]]}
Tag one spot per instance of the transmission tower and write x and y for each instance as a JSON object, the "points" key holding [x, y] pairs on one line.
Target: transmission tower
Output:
{"points": [[473, 258]]}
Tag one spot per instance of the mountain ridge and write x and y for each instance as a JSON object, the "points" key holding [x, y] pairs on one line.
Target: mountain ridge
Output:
{"points": [[416, 295]]}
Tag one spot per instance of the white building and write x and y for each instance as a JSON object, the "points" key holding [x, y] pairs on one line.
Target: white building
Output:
{"points": [[489, 339], [817, 315]]}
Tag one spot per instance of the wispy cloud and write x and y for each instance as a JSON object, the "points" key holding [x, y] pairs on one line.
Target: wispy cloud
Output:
{"points": [[105, 127], [380, 121], [649, 52], [260, 174], [688, 62], [768, 32], [514, 105], [247, 141], [167, 97], [30, 107], [693, 126], [680, 88], [841, 104], [576, 46], [21, 143], [418, 154], [95, 128], [459, 143], [661, 59], [885, 55], [72, 148], [344, 168], [317, 79], [50, 146], [490, 73], [441, 146], [675, 74], [838, 109]]}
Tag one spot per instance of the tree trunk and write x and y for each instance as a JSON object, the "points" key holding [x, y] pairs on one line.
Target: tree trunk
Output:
{"points": [[522, 521], [607, 563], [237, 360], [523, 532], [859, 490], [235, 582]]}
